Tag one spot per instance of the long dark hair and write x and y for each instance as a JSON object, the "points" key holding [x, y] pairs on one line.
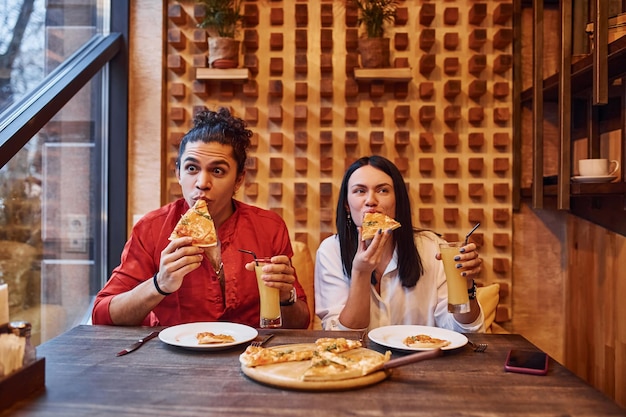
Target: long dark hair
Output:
{"points": [[409, 261], [222, 127]]}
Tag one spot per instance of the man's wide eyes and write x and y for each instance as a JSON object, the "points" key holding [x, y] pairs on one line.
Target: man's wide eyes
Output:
{"points": [[215, 171]]}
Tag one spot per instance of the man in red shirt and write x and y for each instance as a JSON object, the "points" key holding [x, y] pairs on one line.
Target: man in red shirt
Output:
{"points": [[162, 282]]}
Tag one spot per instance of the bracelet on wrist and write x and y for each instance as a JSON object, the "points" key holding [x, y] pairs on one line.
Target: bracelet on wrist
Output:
{"points": [[472, 291], [156, 285]]}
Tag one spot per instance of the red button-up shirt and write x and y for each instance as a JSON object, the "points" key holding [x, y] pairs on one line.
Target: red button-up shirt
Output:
{"points": [[200, 296]]}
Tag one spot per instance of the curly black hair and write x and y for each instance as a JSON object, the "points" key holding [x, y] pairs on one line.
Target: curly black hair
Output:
{"points": [[222, 127]]}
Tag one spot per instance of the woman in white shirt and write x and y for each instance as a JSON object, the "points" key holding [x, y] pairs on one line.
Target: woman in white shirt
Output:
{"points": [[397, 277]]}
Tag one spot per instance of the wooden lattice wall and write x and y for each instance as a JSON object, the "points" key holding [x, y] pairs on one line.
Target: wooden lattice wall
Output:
{"points": [[448, 129]]}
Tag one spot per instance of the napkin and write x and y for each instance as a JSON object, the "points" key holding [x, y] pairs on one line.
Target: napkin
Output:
{"points": [[4, 302], [11, 353]]}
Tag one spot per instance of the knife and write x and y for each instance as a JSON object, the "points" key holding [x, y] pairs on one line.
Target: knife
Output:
{"points": [[137, 344]]}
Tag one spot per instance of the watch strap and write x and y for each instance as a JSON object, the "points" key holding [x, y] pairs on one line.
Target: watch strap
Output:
{"points": [[472, 291], [292, 299]]}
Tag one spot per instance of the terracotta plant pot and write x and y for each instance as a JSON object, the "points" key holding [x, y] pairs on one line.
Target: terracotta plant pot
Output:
{"points": [[223, 50], [374, 52]]}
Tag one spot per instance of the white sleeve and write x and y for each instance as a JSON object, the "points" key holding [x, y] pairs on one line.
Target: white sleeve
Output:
{"points": [[332, 286]]}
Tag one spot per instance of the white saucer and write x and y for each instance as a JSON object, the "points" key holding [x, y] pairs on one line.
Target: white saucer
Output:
{"points": [[601, 178]]}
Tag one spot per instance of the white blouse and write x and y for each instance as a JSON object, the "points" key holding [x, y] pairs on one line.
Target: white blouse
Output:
{"points": [[424, 304]]}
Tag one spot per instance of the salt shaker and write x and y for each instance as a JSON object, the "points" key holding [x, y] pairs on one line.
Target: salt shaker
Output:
{"points": [[23, 329]]}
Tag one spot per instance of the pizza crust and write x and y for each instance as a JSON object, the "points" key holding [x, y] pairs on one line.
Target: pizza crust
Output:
{"points": [[209, 338], [259, 356], [373, 222]]}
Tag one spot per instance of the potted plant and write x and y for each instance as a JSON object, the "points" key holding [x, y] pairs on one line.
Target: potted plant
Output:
{"points": [[222, 19], [373, 45]]}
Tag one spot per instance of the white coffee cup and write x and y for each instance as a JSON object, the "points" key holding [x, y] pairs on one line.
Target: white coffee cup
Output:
{"points": [[597, 167]]}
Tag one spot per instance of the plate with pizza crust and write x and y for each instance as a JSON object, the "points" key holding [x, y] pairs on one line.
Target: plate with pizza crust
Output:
{"points": [[290, 375], [184, 335], [394, 336]]}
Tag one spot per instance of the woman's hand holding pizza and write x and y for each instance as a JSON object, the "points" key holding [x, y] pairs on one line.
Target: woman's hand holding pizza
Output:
{"points": [[177, 260], [279, 274], [369, 253]]}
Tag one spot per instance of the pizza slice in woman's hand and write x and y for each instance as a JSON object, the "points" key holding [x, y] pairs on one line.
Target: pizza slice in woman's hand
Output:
{"points": [[373, 222], [198, 224]]}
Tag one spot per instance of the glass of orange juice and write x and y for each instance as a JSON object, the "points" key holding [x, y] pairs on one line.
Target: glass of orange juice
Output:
{"points": [[270, 297], [458, 299]]}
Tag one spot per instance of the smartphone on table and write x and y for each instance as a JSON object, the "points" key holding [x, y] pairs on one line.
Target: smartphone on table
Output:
{"points": [[526, 362]]}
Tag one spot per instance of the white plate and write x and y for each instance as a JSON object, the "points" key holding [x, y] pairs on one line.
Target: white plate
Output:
{"points": [[184, 335], [601, 178], [393, 336]]}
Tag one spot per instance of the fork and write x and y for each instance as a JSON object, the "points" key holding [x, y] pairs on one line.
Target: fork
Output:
{"points": [[478, 347], [259, 343]]}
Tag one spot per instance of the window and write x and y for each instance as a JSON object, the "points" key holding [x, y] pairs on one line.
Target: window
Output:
{"points": [[55, 153]]}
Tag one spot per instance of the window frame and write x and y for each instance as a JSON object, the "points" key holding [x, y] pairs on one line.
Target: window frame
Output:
{"points": [[25, 118]]}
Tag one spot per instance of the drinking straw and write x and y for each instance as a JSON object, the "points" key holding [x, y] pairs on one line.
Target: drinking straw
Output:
{"points": [[468, 235], [253, 254]]}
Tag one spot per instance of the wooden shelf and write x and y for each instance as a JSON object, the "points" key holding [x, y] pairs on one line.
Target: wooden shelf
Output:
{"points": [[584, 189], [383, 74], [582, 73], [590, 189], [602, 204], [222, 74]]}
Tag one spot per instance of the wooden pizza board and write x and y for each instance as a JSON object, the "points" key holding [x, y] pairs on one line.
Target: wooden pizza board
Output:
{"points": [[289, 374]]}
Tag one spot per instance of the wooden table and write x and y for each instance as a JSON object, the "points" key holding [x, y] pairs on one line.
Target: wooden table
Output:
{"points": [[85, 378]]}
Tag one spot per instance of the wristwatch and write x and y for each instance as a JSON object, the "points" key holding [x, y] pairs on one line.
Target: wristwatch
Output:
{"points": [[472, 291], [292, 299]]}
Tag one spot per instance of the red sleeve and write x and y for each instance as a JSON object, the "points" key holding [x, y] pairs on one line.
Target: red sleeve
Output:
{"points": [[139, 261]]}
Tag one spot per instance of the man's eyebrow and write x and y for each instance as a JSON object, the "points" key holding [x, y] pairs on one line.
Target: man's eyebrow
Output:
{"points": [[190, 159], [219, 161]]}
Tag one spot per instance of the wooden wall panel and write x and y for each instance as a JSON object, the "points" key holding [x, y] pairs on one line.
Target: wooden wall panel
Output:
{"points": [[145, 116], [302, 87], [594, 307]]}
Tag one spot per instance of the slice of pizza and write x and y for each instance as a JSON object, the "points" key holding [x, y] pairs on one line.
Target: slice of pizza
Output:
{"points": [[426, 342], [323, 369], [258, 356], [373, 222], [336, 345], [328, 366], [197, 223], [208, 338]]}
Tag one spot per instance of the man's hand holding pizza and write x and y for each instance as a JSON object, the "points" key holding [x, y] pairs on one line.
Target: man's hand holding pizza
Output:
{"points": [[178, 259]]}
